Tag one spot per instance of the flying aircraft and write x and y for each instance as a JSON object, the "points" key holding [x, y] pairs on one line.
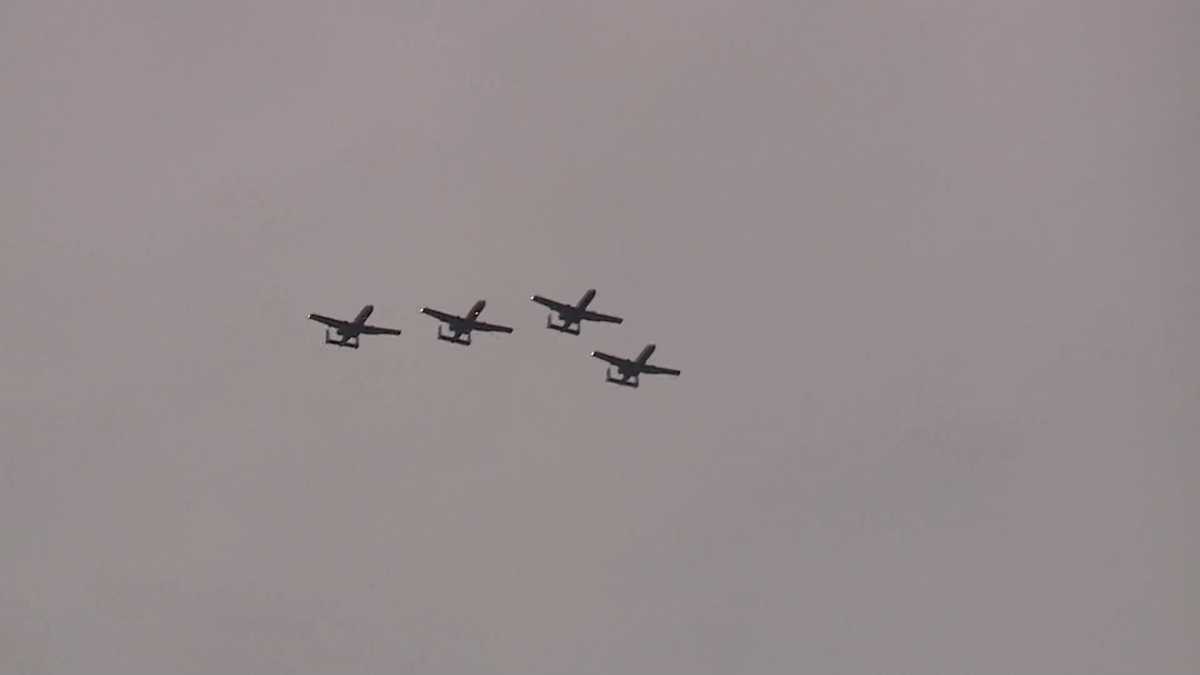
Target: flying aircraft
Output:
{"points": [[348, 331], [461, 326], [573, 315], [628, 371]]}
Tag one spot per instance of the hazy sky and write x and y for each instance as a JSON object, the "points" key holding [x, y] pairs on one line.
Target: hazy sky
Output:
{"points": [[929, 269]]}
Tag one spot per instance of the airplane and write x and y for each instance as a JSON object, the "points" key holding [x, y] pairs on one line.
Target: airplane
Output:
{"points": [[348, 331], [573, 315], [629, 371], [461, 326]]}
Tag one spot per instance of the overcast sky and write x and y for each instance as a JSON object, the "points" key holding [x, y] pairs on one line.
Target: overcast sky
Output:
{"points": [[929, 269]]}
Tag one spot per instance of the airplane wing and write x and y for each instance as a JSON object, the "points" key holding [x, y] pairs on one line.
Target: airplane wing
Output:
{"points": [[440, 315], [490, 327], [552, 304], [597, 316], [376, 330], [659, 370], [615, 360], [332, 323]]}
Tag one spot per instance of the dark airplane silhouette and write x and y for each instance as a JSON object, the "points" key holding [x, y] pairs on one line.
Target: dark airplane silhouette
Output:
{"points": [[573, 315], [629, 371], [348, 331], [461, 326]]}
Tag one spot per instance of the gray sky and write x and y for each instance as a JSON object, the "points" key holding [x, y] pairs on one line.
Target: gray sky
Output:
{"points": [[928, 268]]}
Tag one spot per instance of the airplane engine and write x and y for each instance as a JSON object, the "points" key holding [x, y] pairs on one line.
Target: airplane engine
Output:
{"points": [[351, 343], [463, 339], [564, 327], [625, 380]]}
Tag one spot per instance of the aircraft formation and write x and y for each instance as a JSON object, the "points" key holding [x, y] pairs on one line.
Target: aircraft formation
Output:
{"points": [[459, 329]]}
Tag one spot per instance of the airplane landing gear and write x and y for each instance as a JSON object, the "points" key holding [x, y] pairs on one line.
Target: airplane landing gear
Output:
{"points": [[463, 339], [351, 343], [563, 327], [624, 381]]}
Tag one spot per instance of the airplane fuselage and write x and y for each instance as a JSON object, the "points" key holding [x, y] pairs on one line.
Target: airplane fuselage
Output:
{"points": [[586, 300], [467, 323], [571, 315], [355, 326], [634, 367], [644, 356]]}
